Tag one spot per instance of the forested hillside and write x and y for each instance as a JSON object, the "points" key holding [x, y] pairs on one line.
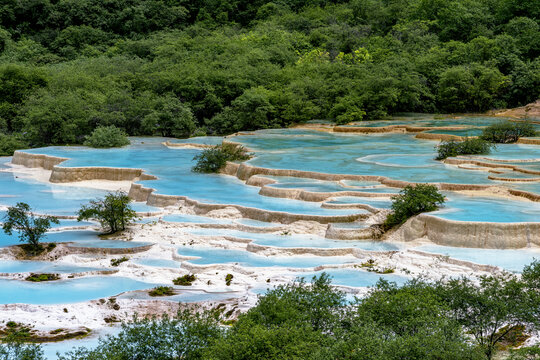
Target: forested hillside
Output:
{"points": [[183, 67]]}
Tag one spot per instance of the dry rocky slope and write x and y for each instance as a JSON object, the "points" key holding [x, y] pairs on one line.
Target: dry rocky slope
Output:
{"points": [[531, 110]]}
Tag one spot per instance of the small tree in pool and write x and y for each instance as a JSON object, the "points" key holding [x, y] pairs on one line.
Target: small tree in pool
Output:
{"points": [[113, 212], [31, 228], [411, 201]]}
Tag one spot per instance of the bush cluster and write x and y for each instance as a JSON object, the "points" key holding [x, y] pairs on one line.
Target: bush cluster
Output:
{"points": [[161, 291], [508, 132], [213, 159], [117, 262], [107, 137], [469, 146], [185, 280], [42, 277], [411, 201]]}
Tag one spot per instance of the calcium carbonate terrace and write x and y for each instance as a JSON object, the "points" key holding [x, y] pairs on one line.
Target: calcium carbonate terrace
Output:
{"points": [[338, 183]]}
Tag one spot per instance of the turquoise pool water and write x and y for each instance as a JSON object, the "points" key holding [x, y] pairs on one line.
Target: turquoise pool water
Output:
{"points": [[83, 238], [91, 341], [156, 262], [66, 291], [467, 208], [398, 156], [173, 168], [196, 219], [207, 256], [14, 266], [53, 236], [380, 203], [62, 222], [49, 198], [511, 260], [463, 132], [256, 223], [109, 244], [422, 120], [356, 278]]}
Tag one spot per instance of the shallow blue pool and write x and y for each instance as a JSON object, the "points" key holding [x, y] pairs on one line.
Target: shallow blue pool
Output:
{"points": [[207, 255], [356, 278], [156, 262], [53, 236], [14, 266], [509, 259], [256, 223], [187, 218], [468, 208], [66, 291], [82, 238]]}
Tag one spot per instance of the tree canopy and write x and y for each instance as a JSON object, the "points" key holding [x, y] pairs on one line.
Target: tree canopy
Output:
{"points": [[175, 68]]}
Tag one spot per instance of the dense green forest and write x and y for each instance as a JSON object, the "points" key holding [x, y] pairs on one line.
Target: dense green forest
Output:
{"points": [[184, 67]]}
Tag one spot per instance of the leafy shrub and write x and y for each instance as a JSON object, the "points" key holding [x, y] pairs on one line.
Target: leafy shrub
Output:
{"points": [[161, 291], [228, 279], [10, 143], [413, 200], [116, 262], [508, 132], [185, 280], [201, 131], [42, 277], [213, 159], [113, 212], [107, 137], [469, 146]]}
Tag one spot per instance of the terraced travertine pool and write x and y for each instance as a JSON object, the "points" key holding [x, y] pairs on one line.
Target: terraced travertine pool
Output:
{"points": [[222, 225]]}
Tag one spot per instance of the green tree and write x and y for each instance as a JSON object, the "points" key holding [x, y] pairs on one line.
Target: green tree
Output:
{"points": [[418, 321], [498, 305], [170, 118], [411, 201], [18, 83], [508, 132], [215, 158], [114, 212], [31, 228], [183, 337], [10, 143], [14, 347], [107, 137]]}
